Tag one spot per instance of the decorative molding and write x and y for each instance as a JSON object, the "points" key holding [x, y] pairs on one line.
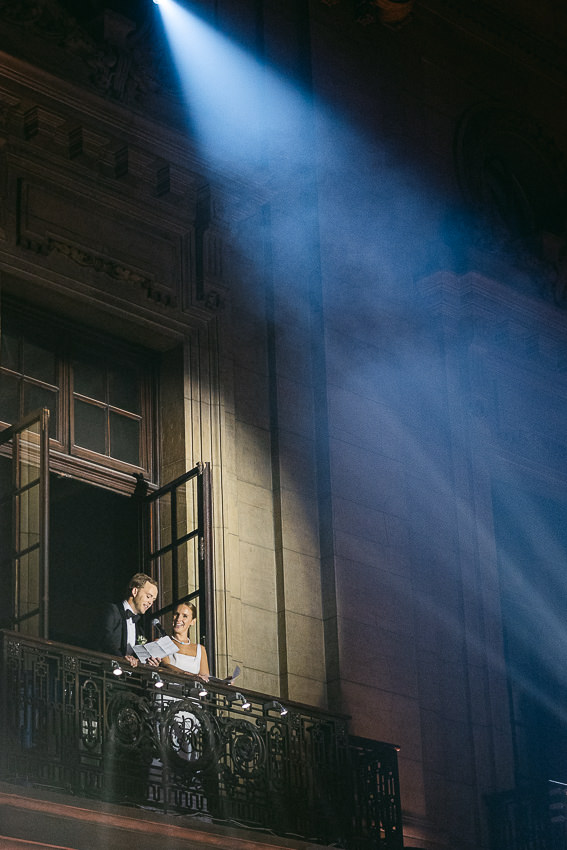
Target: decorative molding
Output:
{"points": [[484, 303], [9, 105], [102, 265], [130, 62]]}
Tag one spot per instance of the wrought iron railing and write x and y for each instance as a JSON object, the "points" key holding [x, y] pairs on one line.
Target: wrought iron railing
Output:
{"points": [[531, 818], [69, 723]]}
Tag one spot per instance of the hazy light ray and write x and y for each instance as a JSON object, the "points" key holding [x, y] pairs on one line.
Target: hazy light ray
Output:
{"points": [[236, 104], [420, 459], [241, 111]]}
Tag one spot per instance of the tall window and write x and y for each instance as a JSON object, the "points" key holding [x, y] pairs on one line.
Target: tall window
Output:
{"points": [[99, 392]]}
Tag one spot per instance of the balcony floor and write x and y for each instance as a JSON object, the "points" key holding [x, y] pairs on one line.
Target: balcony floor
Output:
{"points": [[38, 818]]}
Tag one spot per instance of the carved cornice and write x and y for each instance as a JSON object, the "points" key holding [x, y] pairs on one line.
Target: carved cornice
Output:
{"points": [[128, 62], [485, 304], [100, 264]]}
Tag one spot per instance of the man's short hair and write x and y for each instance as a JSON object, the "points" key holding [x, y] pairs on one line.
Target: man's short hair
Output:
{"points": [[138, 580]]}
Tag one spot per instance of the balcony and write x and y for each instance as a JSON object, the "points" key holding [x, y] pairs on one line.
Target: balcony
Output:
{"points": [[163, 742], [529, 818]]}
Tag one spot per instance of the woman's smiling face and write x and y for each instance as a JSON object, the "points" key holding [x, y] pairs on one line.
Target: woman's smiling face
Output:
{"points": [[182, 619]]}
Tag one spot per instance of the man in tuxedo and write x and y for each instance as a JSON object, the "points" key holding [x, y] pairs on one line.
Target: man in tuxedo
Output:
{"points": [[120, 626]]}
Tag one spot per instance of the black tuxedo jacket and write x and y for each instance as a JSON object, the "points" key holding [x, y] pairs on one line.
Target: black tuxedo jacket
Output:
{"points": [[113, 631]]}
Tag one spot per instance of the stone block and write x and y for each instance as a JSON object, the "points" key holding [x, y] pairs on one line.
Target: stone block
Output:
{"points": [[302, 584], [259, 639], [299, 523], [307, 691], [251, 397], [257, 576], [253, 460], [305, 648]]}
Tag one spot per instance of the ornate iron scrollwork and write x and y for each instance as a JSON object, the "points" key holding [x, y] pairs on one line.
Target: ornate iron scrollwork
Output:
{"points": [[70, 724], [90, 716], [187, 735], [128, 720], [246, 748], [278, 746]]}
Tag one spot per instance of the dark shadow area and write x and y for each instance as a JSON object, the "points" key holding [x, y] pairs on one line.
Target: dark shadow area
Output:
{"points": [[5, 540], [531, 540], [93, 553]]}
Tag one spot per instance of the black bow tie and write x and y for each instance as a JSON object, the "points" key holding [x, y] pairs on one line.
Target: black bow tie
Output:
{"points": [[131, 616]]}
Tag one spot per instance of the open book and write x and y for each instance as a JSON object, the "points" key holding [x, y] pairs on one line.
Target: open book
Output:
{"points": [[156, 649]]}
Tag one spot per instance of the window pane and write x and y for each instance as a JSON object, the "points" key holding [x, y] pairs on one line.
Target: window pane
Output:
{"points": [[28, 465], [164, 532], [46, 363], [28, 505], [163, 566], [9, 355], [90, 427], [36, 397], [89, 380], [123, 389], [5, 500], [188, 564], [28, 601], [39, 363], [9, 403], [125, 439], [6, 600]]}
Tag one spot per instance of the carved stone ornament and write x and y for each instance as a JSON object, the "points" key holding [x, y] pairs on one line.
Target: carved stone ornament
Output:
{"points": [[126, 60], [116, 271]]}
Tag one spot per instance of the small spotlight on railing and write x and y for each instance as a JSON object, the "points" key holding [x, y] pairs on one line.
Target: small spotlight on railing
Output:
{"points": [[116, 669], [238, 697], [157, 680], [276, 706], [199, 691]]}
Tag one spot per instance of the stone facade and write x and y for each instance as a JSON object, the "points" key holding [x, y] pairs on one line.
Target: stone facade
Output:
{"points": [[367, 368]]}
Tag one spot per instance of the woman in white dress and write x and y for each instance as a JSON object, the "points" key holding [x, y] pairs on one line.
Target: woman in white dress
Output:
{"points": [[183, 731], [190, 657]]}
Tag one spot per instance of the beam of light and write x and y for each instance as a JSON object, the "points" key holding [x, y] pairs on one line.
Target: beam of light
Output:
{"points": [[236, 105], [377, 223], [524, 582]]}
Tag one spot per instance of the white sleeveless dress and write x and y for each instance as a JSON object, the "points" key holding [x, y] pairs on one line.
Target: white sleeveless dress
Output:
{"points": [[185, 726], [187, 663]]}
